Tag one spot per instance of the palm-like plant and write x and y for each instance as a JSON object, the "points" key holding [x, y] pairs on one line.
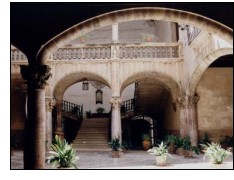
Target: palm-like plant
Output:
{"points": [[161, 150], [62, 154], [215, 153]]}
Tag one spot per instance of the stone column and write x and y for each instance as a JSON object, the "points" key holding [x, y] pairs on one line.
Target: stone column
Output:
{"points": [[192, 119], [59, 128], [50, 103], [183, 116], [116, 129], [34, 141]]}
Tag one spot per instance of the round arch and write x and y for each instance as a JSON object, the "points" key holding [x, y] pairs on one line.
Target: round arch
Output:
{"points": [[142, 13], [169, 82], [64, 83], [201, 68]]}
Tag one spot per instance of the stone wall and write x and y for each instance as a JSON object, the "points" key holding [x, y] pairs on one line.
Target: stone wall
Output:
{"points": [[215, 107]]}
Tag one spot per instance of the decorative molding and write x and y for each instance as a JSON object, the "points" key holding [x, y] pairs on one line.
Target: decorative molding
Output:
{"points": [[36, 76], [50, 103], [116, 102]]}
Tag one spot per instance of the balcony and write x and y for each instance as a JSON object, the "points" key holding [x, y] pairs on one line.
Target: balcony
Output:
{"points": [[119, 51]]}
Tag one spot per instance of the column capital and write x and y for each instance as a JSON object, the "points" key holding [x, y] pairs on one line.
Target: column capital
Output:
{"points": [[116, 102], [187, 101], [192, 100], [181, 101], [36, 76], [50, 103]]}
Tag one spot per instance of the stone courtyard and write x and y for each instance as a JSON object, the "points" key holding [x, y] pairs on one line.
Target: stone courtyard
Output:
{"points": [[132, 160]]}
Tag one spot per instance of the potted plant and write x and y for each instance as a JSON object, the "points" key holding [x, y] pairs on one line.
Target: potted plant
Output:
{"points": [[215, 153], [115, 145], [124, 145], [179, 144], [188, 149], [88, 114], [205, 140], [63, 156], [227, 142], [171, 143], [160, 153], [146, 141], [100, 110]]}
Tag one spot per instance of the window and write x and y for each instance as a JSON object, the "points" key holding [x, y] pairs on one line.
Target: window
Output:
{"points": [[99, 96]]}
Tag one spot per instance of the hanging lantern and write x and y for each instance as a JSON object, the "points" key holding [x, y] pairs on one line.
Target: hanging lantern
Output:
{"points": [[85, 85], [99, 96]]}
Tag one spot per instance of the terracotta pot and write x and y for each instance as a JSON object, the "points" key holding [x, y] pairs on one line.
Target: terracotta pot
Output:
{"points": [[172, 149], [146, 145], [115, 154], [180, 151], [188, 153], [161, 160]]}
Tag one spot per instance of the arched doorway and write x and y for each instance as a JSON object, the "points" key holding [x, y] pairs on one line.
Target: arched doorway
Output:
{"points": [[154, 111]]}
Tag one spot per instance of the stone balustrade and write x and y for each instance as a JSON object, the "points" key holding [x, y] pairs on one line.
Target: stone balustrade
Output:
{"points": [[17, 55], [119, 51]]}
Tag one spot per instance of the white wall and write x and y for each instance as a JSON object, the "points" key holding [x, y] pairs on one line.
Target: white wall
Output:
{"points": [[76, 95]]}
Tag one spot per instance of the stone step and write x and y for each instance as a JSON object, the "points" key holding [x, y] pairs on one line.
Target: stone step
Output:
{"points": [[90, 141]]}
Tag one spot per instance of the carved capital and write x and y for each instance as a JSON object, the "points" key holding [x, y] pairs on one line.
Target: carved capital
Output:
{"points": [[35, 76], [192, 100], [181, 101], [50, 103], [116, 102]]}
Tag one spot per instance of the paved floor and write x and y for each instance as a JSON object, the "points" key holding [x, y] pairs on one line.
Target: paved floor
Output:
{"points": [[131, 160]]}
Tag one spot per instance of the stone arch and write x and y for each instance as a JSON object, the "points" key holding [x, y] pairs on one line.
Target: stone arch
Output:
{"points": [[64, 83], [164, 79], [142, 13], [201, 68]]}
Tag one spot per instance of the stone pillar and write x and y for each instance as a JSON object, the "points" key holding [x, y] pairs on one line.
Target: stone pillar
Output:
{"points": [[50, 103], [34, 141], [188, 117], [116, 129], [59, 128], [115, 33], [183, 116], [192, 119]]}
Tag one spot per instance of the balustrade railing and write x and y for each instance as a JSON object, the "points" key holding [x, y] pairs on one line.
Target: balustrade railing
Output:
{"points": [[128, 105], [144, 51], [72, 108], [17, 55]]}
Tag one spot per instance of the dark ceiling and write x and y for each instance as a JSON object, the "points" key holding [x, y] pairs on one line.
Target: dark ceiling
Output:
{"points": [[33, 24]]}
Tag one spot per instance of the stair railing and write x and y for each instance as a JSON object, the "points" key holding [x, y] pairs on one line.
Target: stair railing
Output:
{"points": [[72, 108]]}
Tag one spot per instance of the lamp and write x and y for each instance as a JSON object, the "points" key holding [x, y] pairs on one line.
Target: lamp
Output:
{"points": [[85, 85]]}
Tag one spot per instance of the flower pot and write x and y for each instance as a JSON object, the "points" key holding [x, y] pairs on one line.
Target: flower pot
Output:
{"points": [[161, 160], [172, 148], [188, 153], [146, 145], [180, 151], [115, 154]]}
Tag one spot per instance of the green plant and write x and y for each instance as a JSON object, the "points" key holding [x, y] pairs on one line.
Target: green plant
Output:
{"points": [[161, 150], [124, 145], [88, 113], [115, 145], [187, 144], [170, 139], [145, 137], [205, 140], [215, 153], [62, 154], [179, 142], [228, 141], [100, 110]]}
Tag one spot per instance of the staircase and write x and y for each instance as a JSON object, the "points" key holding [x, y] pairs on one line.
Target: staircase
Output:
{"points": [[93, 135]]}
